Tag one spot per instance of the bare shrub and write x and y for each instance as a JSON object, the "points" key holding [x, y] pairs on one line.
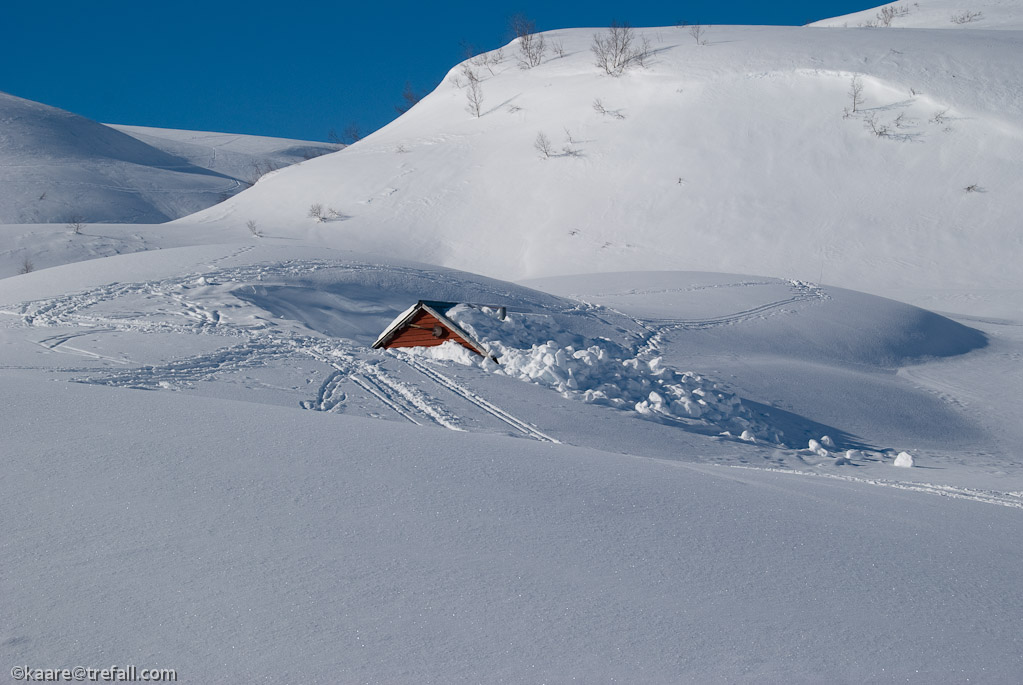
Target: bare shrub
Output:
{"points": [[334, 215], [253, 228], [875, 126], [696, 31], [856, 92], [316, 212], [939, 116], [966, 17], [75, 224], [542, 144], [558, 48], [599, 108], [616, 50], [973, 188], [26, 266], [409, 98], [532, 45]]}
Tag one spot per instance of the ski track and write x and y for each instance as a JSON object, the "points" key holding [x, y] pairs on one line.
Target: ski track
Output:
{"points": [[1004, 499], [801, 292], [477, 400]]}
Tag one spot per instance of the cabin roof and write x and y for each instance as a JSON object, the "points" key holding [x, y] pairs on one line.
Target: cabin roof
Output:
{"points": [[436, 309]]}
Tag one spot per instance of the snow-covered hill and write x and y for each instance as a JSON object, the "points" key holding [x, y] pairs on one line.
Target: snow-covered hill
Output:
{"points": [[666, 476], [935, 14], [201, 438], [57, 167], [740, 155]]}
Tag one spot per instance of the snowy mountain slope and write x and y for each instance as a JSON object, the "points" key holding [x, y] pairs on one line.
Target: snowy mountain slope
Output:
{"points": [[732, 156], [935, 14], [244, 157], [55, 166]]}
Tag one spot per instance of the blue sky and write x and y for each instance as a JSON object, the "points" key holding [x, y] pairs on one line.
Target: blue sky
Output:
{"points": [[291, 69]]}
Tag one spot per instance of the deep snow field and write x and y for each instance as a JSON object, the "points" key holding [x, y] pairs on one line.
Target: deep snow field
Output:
{"points": [[677, 470]]}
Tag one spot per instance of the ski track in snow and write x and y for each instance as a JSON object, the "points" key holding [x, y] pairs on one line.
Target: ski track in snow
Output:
{"points": [[801, 292], [175, 312], [1004, 499], [477, 400]]}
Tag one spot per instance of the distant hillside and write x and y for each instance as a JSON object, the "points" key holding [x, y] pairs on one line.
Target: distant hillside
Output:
{"points": [[56, 166], [740, 153], [935, 14]]}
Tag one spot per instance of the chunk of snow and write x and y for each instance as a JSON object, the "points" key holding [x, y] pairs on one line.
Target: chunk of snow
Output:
{"points": [[904, 460], [828, 442], [817, 449]]}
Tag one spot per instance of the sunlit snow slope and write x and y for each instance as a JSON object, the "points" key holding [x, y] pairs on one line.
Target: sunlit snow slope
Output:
{"points": [[935, 14], [56, 167], [737, 155]]}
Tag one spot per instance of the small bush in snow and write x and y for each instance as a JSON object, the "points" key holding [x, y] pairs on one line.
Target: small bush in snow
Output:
{"points": [[599, 108], [616, 49], [253, 228], [879, 129], [316, 212], [939, 116], [75, 224], [973, 188], [696, 31], [966, 17], [542, 144], [26, 266]]}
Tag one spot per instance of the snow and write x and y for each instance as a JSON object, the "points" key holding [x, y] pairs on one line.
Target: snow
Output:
{"points": [[56, 166], [733, 157], [936, 14], [668, 475], [904, 460]]}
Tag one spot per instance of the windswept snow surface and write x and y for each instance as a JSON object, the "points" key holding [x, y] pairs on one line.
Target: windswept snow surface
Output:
{"points": [[735, 156], [56, 167], [287, 504]]}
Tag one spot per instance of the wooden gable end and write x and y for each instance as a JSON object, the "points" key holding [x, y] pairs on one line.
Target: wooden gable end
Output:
{"points": [[425, 330]]}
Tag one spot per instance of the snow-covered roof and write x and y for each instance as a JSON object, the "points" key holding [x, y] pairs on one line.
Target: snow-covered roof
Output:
{"points": [[438, 311]]}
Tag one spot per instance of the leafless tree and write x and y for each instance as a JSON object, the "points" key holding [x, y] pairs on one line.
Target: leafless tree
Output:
{"points": [[856, 92], [532, 45], [473, 91], [253, 228], [543, 144], [616, 49], [696, 31], [75, 224], [409, 98], [26, 266], [316, 212]]}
